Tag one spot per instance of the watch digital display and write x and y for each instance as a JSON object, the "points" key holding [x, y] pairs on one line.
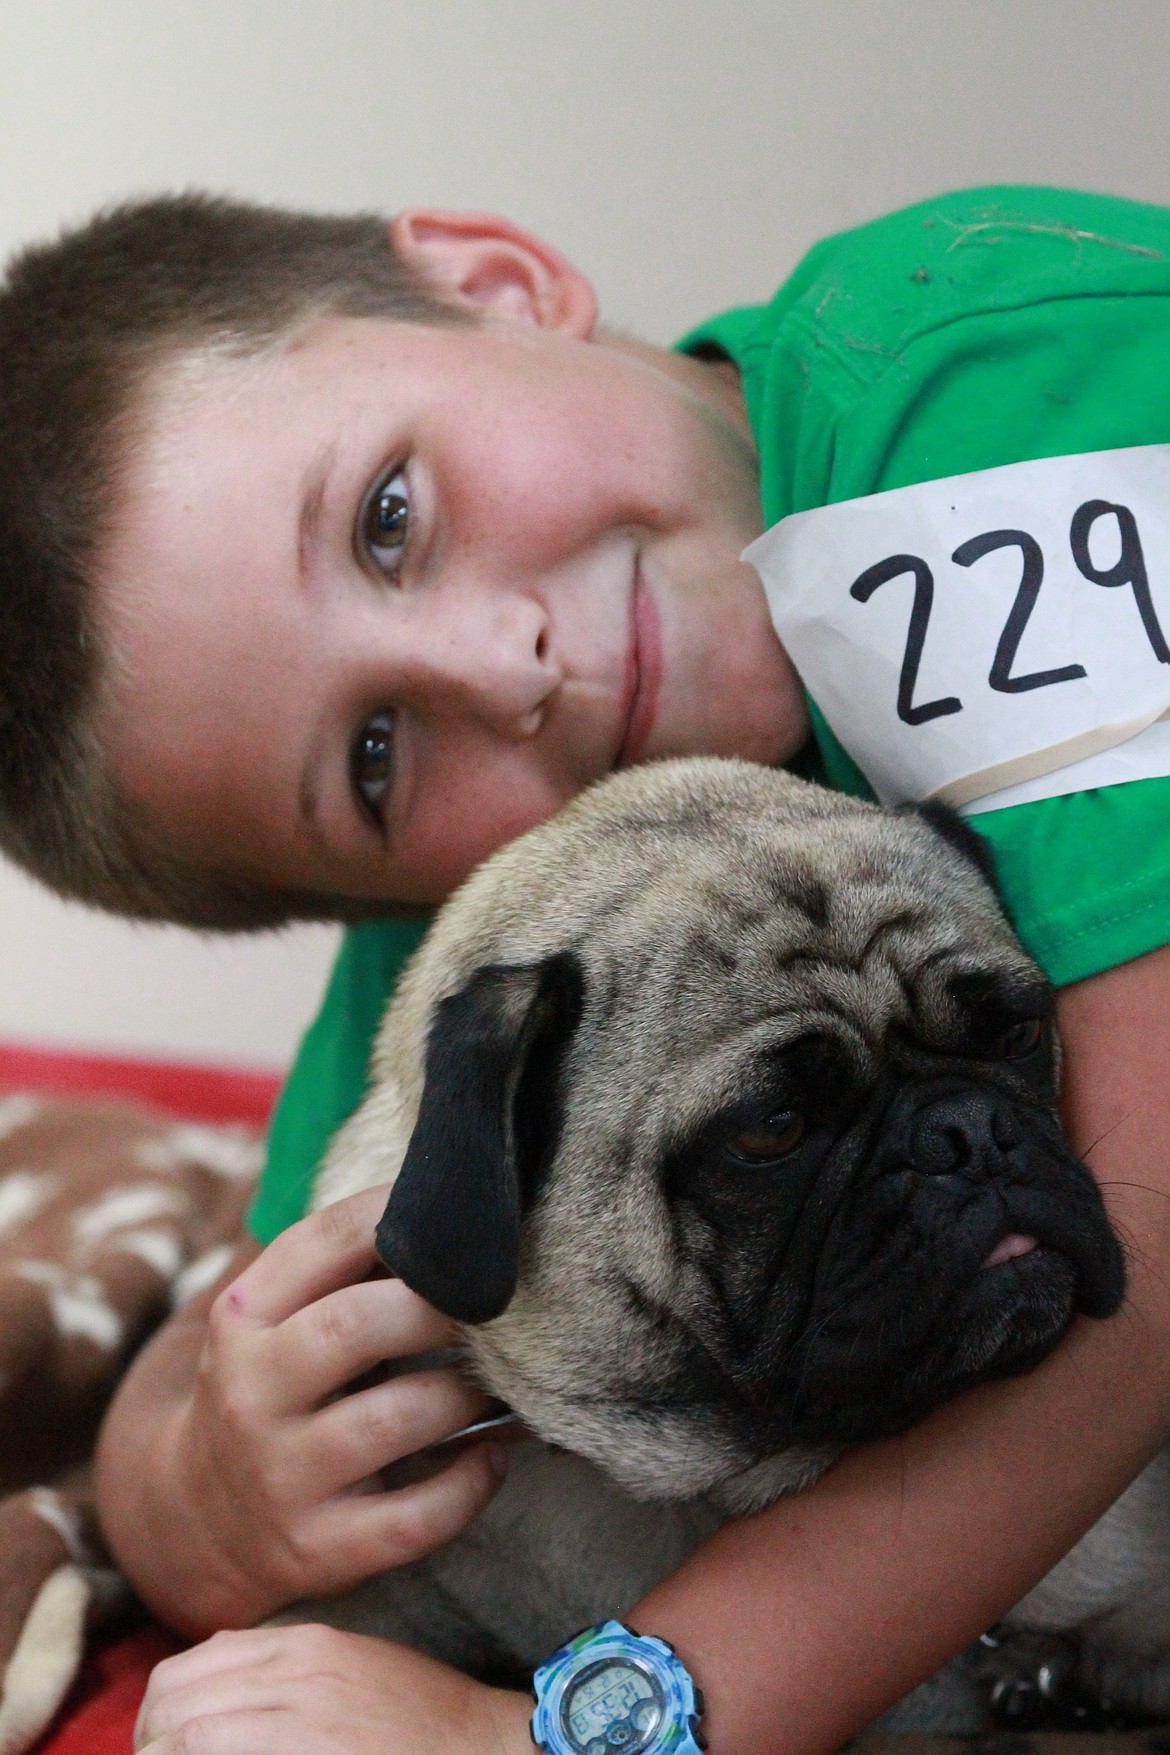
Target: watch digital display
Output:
{"points": [[611, 1691], [613, 1705]]}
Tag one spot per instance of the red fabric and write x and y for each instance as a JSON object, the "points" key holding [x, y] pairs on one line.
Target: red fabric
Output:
{"points": [[196, 1093], [102, 1708]]}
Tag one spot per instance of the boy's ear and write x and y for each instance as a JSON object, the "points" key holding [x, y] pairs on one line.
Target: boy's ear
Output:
{"points": [[498, 267]]}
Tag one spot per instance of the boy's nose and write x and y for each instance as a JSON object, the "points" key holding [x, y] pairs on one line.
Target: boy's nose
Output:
{"points": [[492, 658]]}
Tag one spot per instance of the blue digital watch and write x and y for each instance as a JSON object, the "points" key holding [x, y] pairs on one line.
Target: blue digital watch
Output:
{"points": [[611, 1692]]}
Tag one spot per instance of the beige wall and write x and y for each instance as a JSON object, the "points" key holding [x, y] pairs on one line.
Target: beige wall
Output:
{"points": [[685, 154]]}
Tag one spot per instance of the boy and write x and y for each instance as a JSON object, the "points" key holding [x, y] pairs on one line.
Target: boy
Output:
{"points": [[354, 581]]}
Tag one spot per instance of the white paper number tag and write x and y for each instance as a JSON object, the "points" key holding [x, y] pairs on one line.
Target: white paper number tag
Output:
{"points": [[989, 638]]}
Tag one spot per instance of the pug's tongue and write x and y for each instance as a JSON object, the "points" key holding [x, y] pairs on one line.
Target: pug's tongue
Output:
{"points": [[1015, 1243]]}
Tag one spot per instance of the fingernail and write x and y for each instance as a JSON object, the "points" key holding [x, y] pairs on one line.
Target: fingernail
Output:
{"points": [[498, 1458]]}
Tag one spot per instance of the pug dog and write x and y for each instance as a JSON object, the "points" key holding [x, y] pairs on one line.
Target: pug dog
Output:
{"points": [[720, 1112]]}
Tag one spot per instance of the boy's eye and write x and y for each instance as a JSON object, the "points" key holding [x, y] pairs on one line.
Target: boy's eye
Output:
{"points": [[372, 763], [383, 521]]}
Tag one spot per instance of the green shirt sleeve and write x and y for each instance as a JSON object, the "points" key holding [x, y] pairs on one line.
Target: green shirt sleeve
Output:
{"points": [[328, 1078]]}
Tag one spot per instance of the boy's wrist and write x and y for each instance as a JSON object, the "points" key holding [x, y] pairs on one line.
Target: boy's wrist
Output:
{"points": [[509, 1716]]}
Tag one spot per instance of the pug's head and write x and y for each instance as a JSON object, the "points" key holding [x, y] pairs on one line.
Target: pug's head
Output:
{"points": [[721, 1110]]}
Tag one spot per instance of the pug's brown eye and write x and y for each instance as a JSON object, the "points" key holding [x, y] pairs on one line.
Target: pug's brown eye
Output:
{"points": [[775, 1138], [1020, 1039]]}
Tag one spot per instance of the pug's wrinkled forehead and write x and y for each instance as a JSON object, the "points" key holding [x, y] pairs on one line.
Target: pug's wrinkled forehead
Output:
{"points": [[668, 877]]}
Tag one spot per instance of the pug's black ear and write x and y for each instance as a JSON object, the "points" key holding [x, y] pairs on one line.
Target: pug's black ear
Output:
{"points": [[451, 1228], [958, 833]]}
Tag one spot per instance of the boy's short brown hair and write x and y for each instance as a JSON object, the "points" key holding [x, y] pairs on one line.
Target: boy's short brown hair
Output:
{"points": [[85, 323]]}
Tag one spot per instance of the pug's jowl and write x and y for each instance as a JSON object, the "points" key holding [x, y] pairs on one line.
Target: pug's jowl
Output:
{"points": [[720, 1110]]}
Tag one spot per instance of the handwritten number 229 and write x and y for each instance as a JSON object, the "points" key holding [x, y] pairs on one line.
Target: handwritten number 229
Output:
{"points": [[1129, 569]]}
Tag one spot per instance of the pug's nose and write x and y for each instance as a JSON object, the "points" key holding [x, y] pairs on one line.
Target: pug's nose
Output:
{"points": [[963, 1133]]}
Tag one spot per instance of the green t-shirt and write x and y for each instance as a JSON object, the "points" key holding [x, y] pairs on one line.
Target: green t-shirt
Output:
{"points": [[989, 327], [328, 1080]]}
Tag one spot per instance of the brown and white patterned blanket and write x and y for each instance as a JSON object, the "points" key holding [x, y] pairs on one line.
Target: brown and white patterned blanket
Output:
{"points": [[110, 1217]]}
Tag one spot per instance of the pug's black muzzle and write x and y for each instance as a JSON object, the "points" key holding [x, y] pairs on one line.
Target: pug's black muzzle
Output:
{"points": [[907, 1302], [970, 1160]]}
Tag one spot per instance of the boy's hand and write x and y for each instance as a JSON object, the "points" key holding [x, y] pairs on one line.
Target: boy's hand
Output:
{"points": [[235, 1477], [320, 1692]]}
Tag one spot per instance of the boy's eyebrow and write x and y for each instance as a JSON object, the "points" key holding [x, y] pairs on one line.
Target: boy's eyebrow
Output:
{"points": [[313, 496]]}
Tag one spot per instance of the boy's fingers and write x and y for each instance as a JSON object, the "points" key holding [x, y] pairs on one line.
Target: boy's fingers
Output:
{"points": [[223, 1674], [316, 1351], [317, 1255], [359, 1434], [189, 1674], [193, 1704], [241, 1648], [371, 1533], [259, 1732]]}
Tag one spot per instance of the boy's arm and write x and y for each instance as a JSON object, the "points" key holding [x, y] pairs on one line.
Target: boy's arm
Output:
{"points": [[234, 1477], [805, 1621]]}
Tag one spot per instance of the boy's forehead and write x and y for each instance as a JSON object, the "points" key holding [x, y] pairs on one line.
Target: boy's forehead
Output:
{"points": [[307, 382], [302, 372], [205, 519], [214, 425]]}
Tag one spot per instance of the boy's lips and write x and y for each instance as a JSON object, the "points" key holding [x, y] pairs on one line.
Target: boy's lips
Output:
{"points": [[643, 673]]}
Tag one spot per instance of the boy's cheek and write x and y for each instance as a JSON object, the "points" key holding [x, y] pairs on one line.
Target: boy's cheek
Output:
{"points": [[507, 802]]}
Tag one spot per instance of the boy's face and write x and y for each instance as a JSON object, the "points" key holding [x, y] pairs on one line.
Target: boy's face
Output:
{"points": [[381, 601]]}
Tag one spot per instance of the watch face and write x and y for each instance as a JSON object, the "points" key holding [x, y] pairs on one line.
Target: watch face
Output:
{"points": [[614, 1704]]}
